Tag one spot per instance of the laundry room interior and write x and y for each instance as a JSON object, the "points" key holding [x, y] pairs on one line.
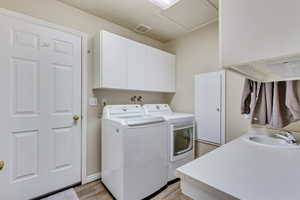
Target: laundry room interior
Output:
{"points": [[149, 99]]}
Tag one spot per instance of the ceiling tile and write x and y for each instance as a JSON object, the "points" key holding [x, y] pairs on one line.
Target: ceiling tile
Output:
{"points": [[130, 13], [191, 14]]}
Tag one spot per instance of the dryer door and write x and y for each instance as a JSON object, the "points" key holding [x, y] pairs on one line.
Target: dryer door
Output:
{"points": [[181, 141]]}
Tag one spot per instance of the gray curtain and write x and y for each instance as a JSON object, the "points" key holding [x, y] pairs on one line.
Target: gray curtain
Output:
{"points": [[276, 104]]}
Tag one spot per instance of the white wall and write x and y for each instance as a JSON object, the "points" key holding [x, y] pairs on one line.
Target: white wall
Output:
{"points": [[59, 13], [254, 30]]}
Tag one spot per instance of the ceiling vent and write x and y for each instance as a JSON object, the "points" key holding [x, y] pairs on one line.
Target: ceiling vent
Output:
{"points": [[141, 28]]}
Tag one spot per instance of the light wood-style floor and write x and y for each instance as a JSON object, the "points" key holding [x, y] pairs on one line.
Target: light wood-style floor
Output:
{"points": [[96, 191]]}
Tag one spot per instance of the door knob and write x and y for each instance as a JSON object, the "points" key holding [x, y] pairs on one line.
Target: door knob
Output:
{"points": [[1, 164], [75, 117]]}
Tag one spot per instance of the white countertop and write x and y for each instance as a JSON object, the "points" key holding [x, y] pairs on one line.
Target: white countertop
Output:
{"points": [[248, 171]]}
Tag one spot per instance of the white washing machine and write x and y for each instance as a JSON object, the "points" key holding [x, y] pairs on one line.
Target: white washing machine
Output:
{"points": [[181, 134], [134, 154]]}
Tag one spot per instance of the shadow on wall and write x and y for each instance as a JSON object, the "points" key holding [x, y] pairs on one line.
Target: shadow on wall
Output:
{"points": [[115, 97], [293, 127]]}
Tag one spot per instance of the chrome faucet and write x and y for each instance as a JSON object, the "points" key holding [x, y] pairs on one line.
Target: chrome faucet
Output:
{"points": [[140, 100], [287, 136], [133, 99]]}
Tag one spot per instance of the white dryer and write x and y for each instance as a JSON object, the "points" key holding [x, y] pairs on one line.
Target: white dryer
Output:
{"points": [[181, 134], [134, 154]]}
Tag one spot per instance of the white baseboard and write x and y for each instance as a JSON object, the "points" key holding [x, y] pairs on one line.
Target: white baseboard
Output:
{"points": [[93, 177]]}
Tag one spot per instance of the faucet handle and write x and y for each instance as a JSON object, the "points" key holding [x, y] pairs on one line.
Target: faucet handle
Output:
{"points": [[282, 136], [140, 100]]}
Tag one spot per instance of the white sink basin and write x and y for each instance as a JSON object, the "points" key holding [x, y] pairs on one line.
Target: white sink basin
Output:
{"points": [[270, 141]]}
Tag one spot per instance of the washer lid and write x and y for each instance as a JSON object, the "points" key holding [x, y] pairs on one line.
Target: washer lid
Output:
{"points": [[115, 111], [138, 121], [175, 116]]}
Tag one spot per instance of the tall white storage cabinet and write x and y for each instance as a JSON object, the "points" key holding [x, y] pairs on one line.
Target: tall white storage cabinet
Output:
{"points": [[121, 63], [209, 107], [217, 108]]}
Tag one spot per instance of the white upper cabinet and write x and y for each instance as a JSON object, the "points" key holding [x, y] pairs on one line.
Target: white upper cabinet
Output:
{"points": [[136, 54], [114, 61], [162, 62], [121, 63], [258, 30]]}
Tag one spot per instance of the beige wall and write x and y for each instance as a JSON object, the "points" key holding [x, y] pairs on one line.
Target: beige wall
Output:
{"points": [[198, 52], [236, 124], [59, 13]]}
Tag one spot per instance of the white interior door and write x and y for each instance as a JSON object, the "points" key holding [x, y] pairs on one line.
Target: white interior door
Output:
{"points": [[208, 108], [40, 84]]}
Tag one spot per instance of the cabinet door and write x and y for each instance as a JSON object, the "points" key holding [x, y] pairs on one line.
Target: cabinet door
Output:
{"points": [[136, 63], [160, 70], [153, 78], [208, 96], [114, 61], [168, 72]]}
